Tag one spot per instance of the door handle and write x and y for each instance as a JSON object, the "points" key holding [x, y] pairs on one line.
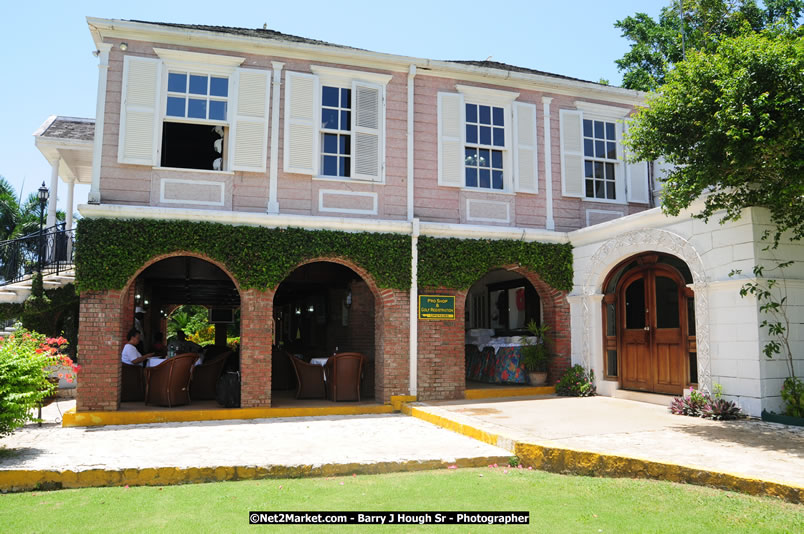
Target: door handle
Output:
{"points": [[647, 328]]}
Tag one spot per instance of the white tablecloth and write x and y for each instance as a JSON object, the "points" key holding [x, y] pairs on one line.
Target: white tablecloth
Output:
{"points": [[153, 362], [319, 361]]}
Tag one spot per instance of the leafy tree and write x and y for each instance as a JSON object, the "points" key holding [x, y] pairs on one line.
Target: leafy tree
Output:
{"points": [[731, 122], [657, 45], [190, 319]]}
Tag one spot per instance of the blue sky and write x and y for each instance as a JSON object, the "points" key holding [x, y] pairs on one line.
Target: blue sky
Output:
{"points": [[49, 68]]}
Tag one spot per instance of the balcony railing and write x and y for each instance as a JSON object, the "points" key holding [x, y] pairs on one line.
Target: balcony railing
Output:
{"points": [[19, 258]]}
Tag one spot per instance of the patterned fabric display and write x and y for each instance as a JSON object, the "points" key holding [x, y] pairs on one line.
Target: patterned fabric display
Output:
{"points": [[508, 369]]}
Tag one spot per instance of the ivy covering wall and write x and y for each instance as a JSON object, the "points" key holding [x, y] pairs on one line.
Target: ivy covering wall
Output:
{"points": [[108, 252], [459, 263]]}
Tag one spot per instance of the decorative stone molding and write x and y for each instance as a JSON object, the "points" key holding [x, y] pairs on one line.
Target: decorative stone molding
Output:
{"points": [[613, 251]]}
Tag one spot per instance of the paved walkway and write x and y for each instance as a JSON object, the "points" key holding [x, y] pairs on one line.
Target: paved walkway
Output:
{"points": [[749, 448]]}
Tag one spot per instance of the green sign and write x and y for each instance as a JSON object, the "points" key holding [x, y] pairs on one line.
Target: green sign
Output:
{"points": [[437, 307]]}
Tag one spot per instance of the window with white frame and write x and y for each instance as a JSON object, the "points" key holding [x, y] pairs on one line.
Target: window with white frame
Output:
{"points": [[485, 145], [336, 130], [600, 159], [190, 110], [335, 124]]}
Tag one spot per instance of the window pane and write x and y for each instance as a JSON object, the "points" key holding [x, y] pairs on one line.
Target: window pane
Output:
{"points": [[590, 188], [635, 305], [693, 368], [329, 96], [346, 120], [497, 179], [496, 159], [588, 169], [345, 144], [217, 110], [197, 109], [600, 149], [610, 131], [471, 133], [177, 83], [499, 136], [485, 135], [599, 170], [587, 128], [198, 84], [471, 177], [690, 316], [471, 157], [666, 303], [609, 171], [611, 319], [610, 194], [471, 113], [175, 106], [485, 114], [484, 158], [344, 169], [498, 117], [330, 144], [485, 178], [611, 362], [219, 86], [599, 129], [329, 118], [600, 189], [346, 98], [611, 150], [331, 165], [588, 148]]}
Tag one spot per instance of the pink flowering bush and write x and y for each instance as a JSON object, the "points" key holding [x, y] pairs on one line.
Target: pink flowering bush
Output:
{"points": [[577, 382], [26, 359]]}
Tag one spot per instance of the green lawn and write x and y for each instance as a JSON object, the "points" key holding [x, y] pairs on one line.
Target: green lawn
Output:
{"points": [[557, 503]]}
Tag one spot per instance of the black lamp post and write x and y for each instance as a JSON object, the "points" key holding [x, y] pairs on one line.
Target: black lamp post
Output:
{"points": [[44, 195]]}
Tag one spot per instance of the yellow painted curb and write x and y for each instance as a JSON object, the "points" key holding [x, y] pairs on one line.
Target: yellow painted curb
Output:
{"points": [[27, 480], [398, 400], [72, 418], [562, 460], [508, 392]]}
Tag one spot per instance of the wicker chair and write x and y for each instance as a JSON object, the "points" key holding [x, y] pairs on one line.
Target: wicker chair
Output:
{"points": [[205, 376], [310, 378], [132, 387], [343, 376], [168, 384], [282, 374]]}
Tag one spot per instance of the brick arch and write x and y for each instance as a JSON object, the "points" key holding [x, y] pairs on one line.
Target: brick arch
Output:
{"points": [[391, 339]]}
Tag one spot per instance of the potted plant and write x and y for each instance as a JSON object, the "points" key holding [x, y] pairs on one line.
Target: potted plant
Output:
{"points": [[535, 355]]}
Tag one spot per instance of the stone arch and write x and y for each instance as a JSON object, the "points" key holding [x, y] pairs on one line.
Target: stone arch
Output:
{"points": [[614, 251]]}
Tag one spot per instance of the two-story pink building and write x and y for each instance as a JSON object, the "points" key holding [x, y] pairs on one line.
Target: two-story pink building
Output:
{"points": [[326, 192]]}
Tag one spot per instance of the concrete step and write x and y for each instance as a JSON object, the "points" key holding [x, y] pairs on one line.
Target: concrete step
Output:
{"points": [[641, 396]]}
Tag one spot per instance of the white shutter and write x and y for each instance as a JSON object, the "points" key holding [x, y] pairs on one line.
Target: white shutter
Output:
{"points": [[526, 177], [367, 128], [139, 105], [250, 124], [637, 174], [451, 135], [301, 123], [572, 180]]}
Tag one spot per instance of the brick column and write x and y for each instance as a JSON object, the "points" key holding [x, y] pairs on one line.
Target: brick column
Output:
{"points": [[392, 355], [101, 332], [256, 336], [441, 374]]}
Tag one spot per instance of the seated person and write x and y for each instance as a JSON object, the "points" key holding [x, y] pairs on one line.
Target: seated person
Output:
{"points": [[130, 353], [158, 347], [180, 345]]}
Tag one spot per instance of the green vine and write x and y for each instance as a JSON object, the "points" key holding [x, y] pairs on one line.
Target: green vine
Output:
{"points": [[458, 263], [109, 251]]}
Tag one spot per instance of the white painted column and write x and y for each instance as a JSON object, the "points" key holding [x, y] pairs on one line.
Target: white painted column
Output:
{"points": [[414, 305], [411, 119], [548, 164], [68, 213], [54, 190], [100, 109], [273, 177]]}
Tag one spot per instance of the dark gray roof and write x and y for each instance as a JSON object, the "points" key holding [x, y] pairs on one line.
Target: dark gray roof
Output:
{"points": [[271, 34], [70, 128]]}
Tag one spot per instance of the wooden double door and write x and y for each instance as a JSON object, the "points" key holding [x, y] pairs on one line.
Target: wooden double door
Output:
{"points": [[652, 328]]}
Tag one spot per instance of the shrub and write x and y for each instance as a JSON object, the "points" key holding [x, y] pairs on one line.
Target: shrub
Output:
{"points": [[24, 361], [577, 382], [698, 404], [721, 410], [793, 396]]}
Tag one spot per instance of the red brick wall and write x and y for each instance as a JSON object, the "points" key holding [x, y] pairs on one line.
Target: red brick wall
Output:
{"points": [[100, 341], [392, 352], [441, 365], [256, 336]]}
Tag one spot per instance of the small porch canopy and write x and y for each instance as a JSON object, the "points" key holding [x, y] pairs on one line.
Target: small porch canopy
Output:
{"points": [[67, 143]]}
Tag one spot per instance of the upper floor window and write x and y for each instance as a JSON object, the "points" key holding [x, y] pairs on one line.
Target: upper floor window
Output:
{"points": [[485, 143], [197, 96], [336, 127], [600, 159]]}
